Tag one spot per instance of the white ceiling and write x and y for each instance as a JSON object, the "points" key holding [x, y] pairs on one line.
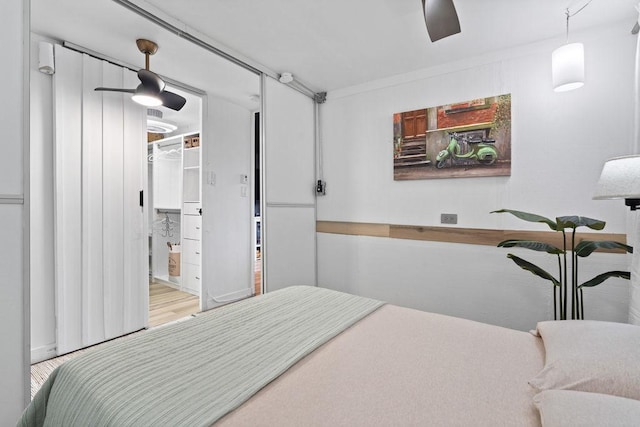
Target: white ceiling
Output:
{"points": [[327, 45], [332, 44]]}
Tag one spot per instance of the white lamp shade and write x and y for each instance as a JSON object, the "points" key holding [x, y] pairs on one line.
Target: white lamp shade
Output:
{"points": [[620, 179], [567, 67]]}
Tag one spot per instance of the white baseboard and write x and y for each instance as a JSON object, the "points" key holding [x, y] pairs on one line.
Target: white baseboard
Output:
{"points": [[45, 352], [230, 297]]}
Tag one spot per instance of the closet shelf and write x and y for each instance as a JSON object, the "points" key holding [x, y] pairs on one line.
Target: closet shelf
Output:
{"points": [[192, 167]]}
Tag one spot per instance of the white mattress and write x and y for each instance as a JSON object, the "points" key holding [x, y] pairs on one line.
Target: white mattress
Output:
{"points": [[405, 367]]}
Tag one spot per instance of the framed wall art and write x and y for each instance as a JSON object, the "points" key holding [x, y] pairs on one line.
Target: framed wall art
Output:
{"points": [[465, 139]]}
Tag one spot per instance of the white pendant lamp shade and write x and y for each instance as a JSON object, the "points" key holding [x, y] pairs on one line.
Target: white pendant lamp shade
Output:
{"points": [[567, 66]]}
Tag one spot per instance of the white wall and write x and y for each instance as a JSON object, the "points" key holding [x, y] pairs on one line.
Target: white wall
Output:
{"points": [[560, 141], [14, 290], [289, 188], [227, 243]]}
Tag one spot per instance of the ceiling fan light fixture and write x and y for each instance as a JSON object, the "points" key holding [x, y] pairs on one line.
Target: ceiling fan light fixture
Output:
{"points": [[151, 90], [567, 67], [145, 96], [441, 18], [146, 100], [157, 126]]}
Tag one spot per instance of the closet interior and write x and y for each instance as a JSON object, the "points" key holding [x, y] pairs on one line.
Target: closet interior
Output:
{"points": [[175, 200]]}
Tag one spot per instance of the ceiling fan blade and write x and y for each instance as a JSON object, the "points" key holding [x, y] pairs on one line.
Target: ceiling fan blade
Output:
{"points": [[441, 18], [151, 81], [111, 89], [172, 100]]}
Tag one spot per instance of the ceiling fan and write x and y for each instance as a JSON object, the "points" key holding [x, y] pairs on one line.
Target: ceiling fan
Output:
{"points": [[150, 92], [441, 18]]}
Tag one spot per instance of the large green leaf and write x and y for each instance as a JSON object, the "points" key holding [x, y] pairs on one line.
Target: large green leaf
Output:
{"points": [[531, 244], [586, 247], [604, 276], [526, 265], [574, 221], [530, 217]]}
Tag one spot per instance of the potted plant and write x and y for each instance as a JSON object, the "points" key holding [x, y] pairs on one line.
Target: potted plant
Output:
{"points": [[582, 249]]}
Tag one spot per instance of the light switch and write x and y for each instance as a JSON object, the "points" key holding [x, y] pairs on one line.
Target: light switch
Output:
{"points": [[211, 178]]}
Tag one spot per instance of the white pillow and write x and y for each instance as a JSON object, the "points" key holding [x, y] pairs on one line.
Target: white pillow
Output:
{"points": [[587, 355], [577, 408]]}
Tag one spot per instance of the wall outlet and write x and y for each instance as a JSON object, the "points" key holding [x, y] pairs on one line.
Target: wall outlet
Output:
{"points": [[448, 218]]}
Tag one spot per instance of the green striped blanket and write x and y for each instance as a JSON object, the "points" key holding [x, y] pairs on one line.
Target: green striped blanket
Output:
{"points": [[193, 373]]}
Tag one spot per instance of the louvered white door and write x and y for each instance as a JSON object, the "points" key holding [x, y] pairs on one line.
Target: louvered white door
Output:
{"points": [[100, 168]]}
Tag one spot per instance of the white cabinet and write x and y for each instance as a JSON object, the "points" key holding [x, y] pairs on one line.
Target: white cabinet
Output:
{"points": [[191, 251], [191, 278], [191, 247], [191, 215], [192, 225]]}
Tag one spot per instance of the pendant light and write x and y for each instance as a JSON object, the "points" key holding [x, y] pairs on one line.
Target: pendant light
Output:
{"points": [[567, 62]]}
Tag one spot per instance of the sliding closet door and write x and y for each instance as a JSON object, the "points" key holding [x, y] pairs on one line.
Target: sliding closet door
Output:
{"points": [[135, 251], [101, 283], [67, 200], [91, 197], [290, 211]]}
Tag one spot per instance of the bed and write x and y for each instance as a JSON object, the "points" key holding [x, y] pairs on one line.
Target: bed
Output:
{"points": [[311, 356]]}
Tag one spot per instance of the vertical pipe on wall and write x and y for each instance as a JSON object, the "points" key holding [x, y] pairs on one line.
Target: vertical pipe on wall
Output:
{"points": [[26, 147], [317, 161], [636, 97], [633, 220]]}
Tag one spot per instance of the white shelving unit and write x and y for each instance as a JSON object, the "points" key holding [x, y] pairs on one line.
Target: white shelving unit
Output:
{"points": [[177, 196], [191, 214]]}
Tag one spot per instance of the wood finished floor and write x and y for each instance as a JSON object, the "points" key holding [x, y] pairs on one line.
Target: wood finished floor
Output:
{"points": [[167, 304]]}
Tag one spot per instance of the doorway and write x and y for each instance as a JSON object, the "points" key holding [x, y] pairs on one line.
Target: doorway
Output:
{"points": [[174, 145], [227, 108], [257, 276]]}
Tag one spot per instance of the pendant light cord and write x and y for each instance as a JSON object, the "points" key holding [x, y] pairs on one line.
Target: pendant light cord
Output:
{"points": [[569, 15]]}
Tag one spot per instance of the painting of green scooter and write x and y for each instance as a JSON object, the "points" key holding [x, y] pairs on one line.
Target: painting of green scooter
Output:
{"points": [[481, 150]]}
